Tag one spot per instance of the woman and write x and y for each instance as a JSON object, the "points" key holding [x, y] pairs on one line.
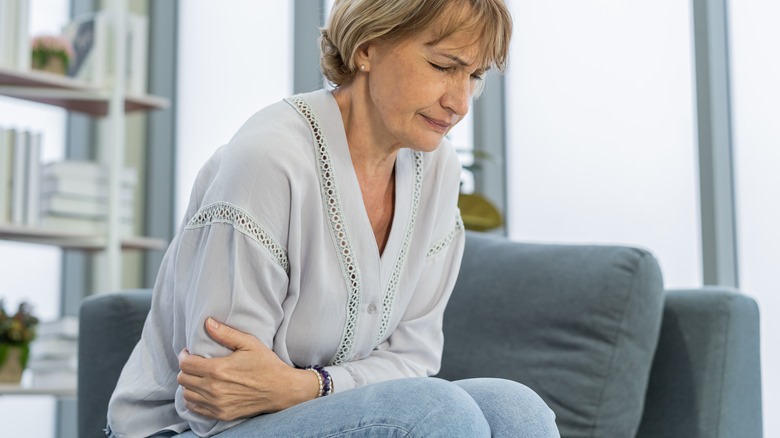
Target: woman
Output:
{"points": [[320, 248]]}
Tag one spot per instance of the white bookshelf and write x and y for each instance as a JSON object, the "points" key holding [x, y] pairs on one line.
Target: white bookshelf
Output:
{"points": [[19, 389], [111, 103], [68, 93], [73, 240]]}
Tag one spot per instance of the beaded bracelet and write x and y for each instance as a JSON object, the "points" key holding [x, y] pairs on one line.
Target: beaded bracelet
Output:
{"points": [[319, 379], [323, 376]]}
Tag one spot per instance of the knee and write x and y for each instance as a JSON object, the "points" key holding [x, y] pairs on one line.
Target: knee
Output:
{"points": [[443, 407], [519, 395], [506, 399]]}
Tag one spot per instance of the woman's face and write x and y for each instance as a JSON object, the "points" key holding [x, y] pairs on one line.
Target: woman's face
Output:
{"points": [[420, 90]]}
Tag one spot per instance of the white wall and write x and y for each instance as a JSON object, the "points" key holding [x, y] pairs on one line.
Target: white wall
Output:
{"points": [[755, 68], [601, 128], [234, 59], [32, 272]]}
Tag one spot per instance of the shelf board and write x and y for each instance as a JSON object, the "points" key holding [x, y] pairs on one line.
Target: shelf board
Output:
{"points": [[72, 240], [17, 389], [69, 93]]}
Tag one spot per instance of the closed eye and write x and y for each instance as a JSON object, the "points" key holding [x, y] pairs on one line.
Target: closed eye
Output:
{"points": [[477, 76], [439, 67]]}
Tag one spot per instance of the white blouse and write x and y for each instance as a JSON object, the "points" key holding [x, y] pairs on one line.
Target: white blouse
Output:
{"points": [[276, 242]]}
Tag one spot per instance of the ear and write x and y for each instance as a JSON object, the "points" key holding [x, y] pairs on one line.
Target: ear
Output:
{"points": [[363, 56]]}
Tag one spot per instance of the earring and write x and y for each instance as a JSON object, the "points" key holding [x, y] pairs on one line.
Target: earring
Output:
{"points": [[362, 66]]}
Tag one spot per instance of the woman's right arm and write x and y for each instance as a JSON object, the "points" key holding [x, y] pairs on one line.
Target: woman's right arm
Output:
{"points": [[227, 267]]}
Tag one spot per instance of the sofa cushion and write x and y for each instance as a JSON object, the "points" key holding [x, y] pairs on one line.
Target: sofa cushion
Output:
{"points": [[578, 324]]}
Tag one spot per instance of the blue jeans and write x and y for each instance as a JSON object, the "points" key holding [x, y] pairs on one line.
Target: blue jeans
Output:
{"points": [[416, 407]]}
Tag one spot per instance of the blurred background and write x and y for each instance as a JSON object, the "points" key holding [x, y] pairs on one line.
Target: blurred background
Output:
{"points": [[593, 135]]}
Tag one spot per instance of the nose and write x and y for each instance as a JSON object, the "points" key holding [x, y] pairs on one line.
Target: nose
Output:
{"points": [[458, 95]]}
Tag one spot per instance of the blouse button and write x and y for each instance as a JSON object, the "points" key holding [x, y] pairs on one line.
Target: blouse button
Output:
{"points": [[371, 309]]}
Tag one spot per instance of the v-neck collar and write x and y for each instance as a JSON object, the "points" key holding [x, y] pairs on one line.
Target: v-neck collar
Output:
{"points": [[362, 266], [356, 215]]}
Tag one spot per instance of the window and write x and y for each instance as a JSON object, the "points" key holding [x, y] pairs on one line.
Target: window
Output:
{"points": [[601, 129], [232, 62], [756, 132]]}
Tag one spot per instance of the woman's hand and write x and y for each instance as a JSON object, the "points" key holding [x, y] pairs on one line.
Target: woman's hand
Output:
{"points": [[252, 380]]}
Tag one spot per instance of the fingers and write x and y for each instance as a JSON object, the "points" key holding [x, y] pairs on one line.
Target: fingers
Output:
{"points": [[203, 402], [196, 397], [229, 337], [194, 365], [199, 404]]}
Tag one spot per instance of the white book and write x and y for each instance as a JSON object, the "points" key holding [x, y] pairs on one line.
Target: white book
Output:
{"points": [[33, 212], [64, 327], [50, 347], [6, 169], [92, 37], [8, 33], [19, 177], [83, 225], [23, 48], [55, 379], [88, 33], [83, 188], [85, 170], [81, 208], [137, 50]]}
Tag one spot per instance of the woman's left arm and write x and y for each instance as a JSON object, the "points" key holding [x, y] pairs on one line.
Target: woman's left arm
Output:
{"points": [[249, 381]]}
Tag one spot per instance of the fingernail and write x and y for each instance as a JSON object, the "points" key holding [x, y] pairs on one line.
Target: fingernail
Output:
{"points": [[212, 323]]}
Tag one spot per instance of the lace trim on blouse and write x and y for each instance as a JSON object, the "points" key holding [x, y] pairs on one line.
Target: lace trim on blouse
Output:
{"points": [[445, 241], [392, 284], [332, 200], [223, 212]]}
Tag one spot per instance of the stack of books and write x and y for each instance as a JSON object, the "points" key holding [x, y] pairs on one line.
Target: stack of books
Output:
{"points": [[54, 353], [20, 173], [75, 197]]}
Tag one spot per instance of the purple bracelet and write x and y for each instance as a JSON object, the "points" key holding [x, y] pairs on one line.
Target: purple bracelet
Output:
{"points": [[327, 381]]}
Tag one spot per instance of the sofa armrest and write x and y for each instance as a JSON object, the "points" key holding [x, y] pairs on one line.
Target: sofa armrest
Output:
{"points": [[110, 326], [706, 374]]}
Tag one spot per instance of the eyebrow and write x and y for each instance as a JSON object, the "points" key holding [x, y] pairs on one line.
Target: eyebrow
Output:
{"points": [[456, 59], [464, 63]]}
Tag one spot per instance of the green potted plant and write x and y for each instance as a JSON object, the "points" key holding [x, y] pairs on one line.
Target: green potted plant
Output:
{"points": [[16, 333], [477, 212], [51, 53]]}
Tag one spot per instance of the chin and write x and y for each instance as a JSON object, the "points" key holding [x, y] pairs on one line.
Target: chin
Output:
{"points": [[428, 147], [427, 144]]}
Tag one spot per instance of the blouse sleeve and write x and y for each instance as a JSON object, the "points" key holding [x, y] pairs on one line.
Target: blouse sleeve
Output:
{"points": [[230, 268]]}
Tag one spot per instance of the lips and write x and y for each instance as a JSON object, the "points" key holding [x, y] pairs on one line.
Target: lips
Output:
{"points": [[437, 125]]}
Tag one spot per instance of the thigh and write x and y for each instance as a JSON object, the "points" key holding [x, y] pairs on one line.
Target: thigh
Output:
{"points": [[416, 407], [512, 409]]}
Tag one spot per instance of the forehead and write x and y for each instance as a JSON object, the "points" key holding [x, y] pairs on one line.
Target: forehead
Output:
{"points": [[459, 45], [457, 29]]}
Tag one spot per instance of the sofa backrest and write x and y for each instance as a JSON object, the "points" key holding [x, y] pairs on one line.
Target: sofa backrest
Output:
{"points": [[109, 327], [576, 323]]}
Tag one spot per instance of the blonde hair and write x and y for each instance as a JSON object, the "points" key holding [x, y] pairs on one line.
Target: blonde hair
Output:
{"points": [[353, 23]]}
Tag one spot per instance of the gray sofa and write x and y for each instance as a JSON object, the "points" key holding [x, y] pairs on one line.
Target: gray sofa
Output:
{"points": [[590, 328]]}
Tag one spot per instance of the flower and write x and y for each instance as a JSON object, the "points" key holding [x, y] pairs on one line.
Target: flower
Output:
{"points": [[18, 329], [46, 48]]}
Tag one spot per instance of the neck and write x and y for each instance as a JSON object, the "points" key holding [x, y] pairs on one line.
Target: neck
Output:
{"points": [[373, 156]]}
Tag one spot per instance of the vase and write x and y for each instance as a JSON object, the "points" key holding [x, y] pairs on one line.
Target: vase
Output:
{"points": [[51, 65], [13, 359]]}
